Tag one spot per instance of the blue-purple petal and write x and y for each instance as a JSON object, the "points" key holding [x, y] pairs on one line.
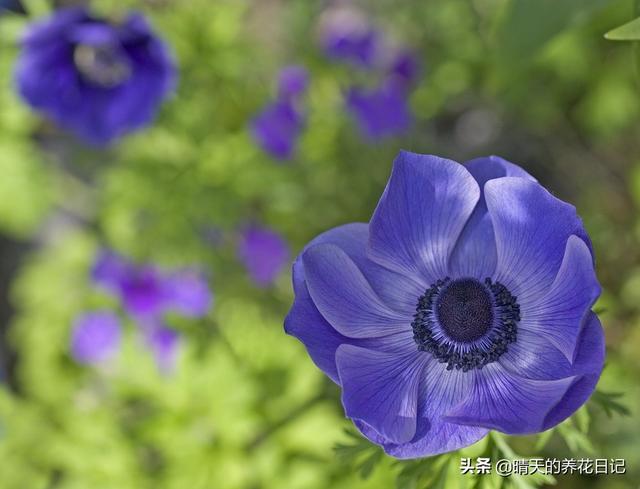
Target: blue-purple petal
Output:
{"points": [[396, 290], [531, 229], [421, 214], [558, 315], [509, 403], [344, 297], [587, 367], [440, 390], [475, 253], [305, 322], [381, 389]]}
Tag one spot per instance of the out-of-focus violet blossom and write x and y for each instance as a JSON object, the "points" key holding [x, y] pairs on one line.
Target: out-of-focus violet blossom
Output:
{"points": [[264, 254], [293, 81], [97, 78], [164, 343], [149, 293], [404, 68], [380, 112], [95, 337], [347, 35], [277, 127]]}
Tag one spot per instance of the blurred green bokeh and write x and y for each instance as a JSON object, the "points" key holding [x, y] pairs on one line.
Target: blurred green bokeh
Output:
{"points": [[531, 80]]}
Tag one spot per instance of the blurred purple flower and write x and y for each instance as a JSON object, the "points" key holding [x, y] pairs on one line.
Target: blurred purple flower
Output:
{"points": [[189, 293], [143, 292], [264, 254], [380, 112], [164, 343], [292, 82], [148, 292], [96, 78], [405, 68], [346, 34], [95, 337], [108, 270], [277, 127]]}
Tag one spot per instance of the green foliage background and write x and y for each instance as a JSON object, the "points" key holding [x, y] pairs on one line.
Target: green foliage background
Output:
{"points": [[534, 81]]}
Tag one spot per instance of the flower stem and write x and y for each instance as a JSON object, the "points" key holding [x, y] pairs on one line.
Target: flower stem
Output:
{"points": [[291, 416]]}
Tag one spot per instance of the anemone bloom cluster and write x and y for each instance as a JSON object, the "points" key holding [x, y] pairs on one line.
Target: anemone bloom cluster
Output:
{"points": [[98, 78], [147, 294], [464, 305]]}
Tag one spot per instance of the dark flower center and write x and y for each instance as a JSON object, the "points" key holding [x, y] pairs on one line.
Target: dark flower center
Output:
{"points": [[466, 323], [101, 65], [465, 310]]}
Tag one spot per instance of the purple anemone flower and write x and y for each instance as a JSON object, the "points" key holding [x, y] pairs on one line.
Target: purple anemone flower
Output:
{"points": [[95, 337], [464, 305], [380, 112], [264, 253], [97, 78]]}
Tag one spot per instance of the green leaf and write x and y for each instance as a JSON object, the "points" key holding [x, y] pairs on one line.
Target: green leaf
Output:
{"points": [[574, 438], [529, 24], [367, 466], [544, 438], [427, 472], [626, 32], [359, 453], [530, 481], [608, 401], [582, 419]]}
